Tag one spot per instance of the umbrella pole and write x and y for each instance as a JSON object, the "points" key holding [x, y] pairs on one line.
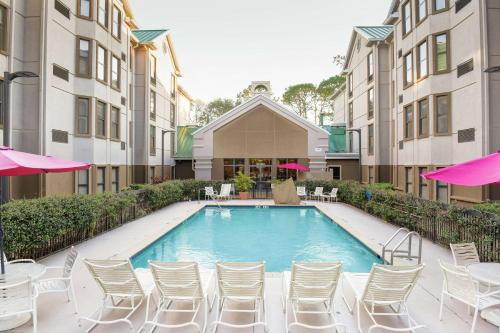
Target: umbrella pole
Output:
{"points": [[2, 255]]}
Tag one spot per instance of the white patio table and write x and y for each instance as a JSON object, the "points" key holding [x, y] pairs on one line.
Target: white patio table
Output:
{"points": [[487, 272], [15, 273]]}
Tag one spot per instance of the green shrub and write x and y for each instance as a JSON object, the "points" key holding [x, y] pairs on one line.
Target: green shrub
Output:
{"points": [[489, 207], [243, 182]]}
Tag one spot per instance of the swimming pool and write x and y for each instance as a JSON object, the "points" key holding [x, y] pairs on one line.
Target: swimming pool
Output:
{"points": [[277, 235]]}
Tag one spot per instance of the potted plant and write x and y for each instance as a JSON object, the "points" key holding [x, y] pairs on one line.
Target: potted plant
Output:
{"points": [[243, 183]]}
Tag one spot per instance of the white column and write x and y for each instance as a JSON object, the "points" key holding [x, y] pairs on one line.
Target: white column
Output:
{"points": [[203, 169]]}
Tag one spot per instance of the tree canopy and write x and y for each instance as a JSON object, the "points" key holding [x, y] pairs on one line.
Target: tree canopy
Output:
{"points": [[205, 113]]}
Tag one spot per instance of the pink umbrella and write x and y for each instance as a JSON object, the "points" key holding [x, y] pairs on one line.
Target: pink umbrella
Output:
{"points": [[293, 166], [483, 171], [16, 163]]}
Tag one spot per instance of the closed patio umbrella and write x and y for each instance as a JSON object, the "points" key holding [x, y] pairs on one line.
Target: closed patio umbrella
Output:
{"points": [[482, 171], [16, 163]]}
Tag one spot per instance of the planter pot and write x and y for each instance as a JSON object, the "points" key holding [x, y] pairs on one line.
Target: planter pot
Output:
{"points": [[244, 195]]}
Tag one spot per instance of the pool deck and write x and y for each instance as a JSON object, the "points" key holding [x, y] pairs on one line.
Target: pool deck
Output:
{"points": [[56, 315]]}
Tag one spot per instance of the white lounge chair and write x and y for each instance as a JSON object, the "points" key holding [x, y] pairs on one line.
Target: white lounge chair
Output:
{"points": [[459, 285], [209, 192], [17, 261], [241, 283], [464, 254], [17, 299], [225, 192], [310, 285], [388, 286], [318, 192], [180, 283], [330, 196], [301, 192], [63, 282], [118, 282]]}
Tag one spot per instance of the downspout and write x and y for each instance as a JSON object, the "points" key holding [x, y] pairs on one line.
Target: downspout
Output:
{"points": [[42, 88], [485, 78]]}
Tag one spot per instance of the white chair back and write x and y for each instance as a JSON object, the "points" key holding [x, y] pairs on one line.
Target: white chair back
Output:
{"points": [[177, 280], [239, 279], [464, 254], [301, 191], [225, 190], [334, 192], [70, 262], [390, 284], [16, 298], [458, 282], [311, 280], [209, 191], [318, 191], [115, 277]]}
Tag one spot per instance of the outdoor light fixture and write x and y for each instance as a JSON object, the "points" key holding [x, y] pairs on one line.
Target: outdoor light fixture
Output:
{"points": [[494, 69]]}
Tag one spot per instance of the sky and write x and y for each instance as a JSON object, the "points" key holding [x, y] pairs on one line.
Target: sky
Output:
{"points": [[223, 45]]}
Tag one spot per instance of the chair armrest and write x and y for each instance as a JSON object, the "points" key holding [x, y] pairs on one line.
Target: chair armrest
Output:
{"points": [[54, 278], [21, 260]]}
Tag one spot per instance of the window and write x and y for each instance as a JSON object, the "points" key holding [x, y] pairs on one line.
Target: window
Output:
{"points": [[100, 180], [152, 173], [351, 116], [232, 166], [115, 123], [115, 179], [84, 8], [172, 115], [351, 143], [100, 119], [409, 180], [83, 116], [408, 69], [83, 54], [116, 27], [82, 185], [442, 114], [102, 63], [152, 140], [441, 53], [406, 18], [336, 172], [152, 105], [441, 191], [370, 103], [423, 117], [371, 175], [371, 139], [260, 168], [440, 5], [115, 72], [370, 66], [421, 10], [422, 62], [286, 173], [153, 70], [172, 144], [102, 13], [4, 37], [172, 85], [423, 190], [408, 122], [350, 83]]}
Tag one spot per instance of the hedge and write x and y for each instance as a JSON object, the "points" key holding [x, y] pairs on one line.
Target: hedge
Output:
{"points": [[37, 227]]}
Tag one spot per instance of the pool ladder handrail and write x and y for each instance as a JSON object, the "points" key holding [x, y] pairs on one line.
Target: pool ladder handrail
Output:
{"points": [[407, 253]]}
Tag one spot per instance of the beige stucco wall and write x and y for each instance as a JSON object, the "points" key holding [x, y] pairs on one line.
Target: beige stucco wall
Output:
{"points": [[260, 133]]}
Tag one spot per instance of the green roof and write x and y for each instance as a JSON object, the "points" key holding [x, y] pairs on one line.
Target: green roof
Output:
{"points": [[375, 33], [147, 36]]}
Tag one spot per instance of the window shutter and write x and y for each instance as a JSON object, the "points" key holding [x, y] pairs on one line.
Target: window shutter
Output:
{"points": [[60, 72], [61, 8]]}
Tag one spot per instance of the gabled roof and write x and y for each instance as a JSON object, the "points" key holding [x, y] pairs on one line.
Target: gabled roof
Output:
{"points": [[251, 104], [375, 33], [147, 36], [372, 34], [393, 13]]}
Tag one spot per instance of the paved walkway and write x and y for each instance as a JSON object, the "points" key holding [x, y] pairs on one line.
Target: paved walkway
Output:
{"points": [[56, 315]]}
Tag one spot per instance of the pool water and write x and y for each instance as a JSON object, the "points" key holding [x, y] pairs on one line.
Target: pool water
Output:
{"points": [[277, 235]]}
